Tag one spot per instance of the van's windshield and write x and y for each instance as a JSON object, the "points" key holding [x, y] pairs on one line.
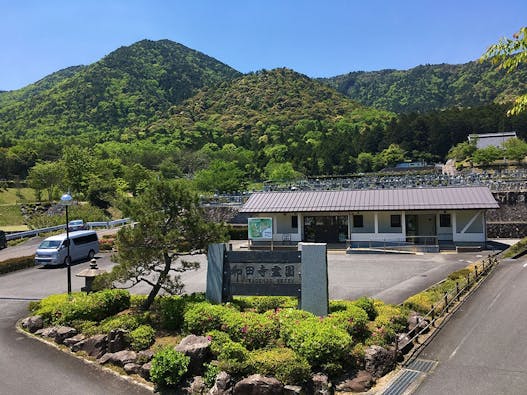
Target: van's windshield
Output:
{"points": [[49, 244]]}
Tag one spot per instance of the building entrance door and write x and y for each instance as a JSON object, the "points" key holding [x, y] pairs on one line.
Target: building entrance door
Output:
{"points": [[326, 229]]}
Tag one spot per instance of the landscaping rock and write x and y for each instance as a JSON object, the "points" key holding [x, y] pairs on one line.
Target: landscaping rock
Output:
{"points": [[362, 382], [257, 384], [222, 385], [378, 361], [64, 332], [416, 323], [321, 384], [144, 372], [293, 390], [70, 341], [197, 386], [50, 332], [33, 323], [117, 340], [144, 356], [94, 346], [198, 349], [132, 368], [403, 343], [119, 358]]}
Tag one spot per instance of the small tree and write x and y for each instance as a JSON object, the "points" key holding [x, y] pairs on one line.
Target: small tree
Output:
{"points": [[515, 149], [171, 227]]}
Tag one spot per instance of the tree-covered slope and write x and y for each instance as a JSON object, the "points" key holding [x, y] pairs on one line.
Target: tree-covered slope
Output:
{"points": [[281, 115], [432, 87], [127, 88]]}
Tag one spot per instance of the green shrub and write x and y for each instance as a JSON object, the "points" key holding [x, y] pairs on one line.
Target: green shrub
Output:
{"points": [[233, 358], [127, 322], [168, 367], [421, 302], [460, 274], [353, 320], [85, 327], [210, 374], [320, 342], [218, 339], [61, 309], [368, 305], [288, 319], [142, 337], [253, 330], [390, 321], [171, 310], [18, 263], [203, 317], [282, 363]]}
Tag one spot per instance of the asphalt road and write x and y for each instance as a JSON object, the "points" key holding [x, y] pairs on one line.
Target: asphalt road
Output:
{"points": [[483, 348]]}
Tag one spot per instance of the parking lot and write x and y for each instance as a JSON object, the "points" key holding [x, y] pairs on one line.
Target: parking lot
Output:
{"points": [[389, 277]]}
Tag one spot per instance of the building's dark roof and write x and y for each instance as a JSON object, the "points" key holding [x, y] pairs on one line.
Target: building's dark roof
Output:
{"points": [[371, 200]]}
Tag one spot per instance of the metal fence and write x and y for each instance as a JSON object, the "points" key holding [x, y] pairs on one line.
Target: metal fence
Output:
{"points": [[91, 225]]}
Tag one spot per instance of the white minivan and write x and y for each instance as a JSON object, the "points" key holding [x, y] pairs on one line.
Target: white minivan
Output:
{"points": [[84, 244]]}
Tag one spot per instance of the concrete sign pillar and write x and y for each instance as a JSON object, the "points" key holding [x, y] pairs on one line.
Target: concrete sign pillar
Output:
{"points": [[315, 298], [215, 257]]}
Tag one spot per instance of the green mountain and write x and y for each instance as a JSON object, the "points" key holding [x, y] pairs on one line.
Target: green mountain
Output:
{"points": [[126, 89], [281, 115], [432, 87]]}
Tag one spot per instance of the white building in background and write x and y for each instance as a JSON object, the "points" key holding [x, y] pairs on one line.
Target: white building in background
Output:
{"points": [[415, 215]]}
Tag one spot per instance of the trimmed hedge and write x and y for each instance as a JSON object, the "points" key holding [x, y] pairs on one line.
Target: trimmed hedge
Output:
{"points": [[13, 264], [62, 309]]}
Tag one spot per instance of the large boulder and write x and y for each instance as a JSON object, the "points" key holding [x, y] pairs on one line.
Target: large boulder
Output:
{"points": [[131, 368], [321, 384], [145, 356], [198, 349], [119, 358], [33, 323], [362, 382], [117, 340], [222, 385], [50, 332], [378, 361], [94, 346], [293, 390], [257, 384]]}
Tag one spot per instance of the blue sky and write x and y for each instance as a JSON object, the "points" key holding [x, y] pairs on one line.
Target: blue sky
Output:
{"points": [[318, 38]]}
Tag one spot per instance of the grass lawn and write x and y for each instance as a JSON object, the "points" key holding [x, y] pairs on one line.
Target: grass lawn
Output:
{"points": [[10, 216], [17, 195]]}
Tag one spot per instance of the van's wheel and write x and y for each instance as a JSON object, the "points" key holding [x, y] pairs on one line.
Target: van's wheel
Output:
{"points": [[91, 254], [67, 261]]}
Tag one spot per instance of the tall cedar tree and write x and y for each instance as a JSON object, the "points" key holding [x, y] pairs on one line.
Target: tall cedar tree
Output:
{"points": [[171, 228]]}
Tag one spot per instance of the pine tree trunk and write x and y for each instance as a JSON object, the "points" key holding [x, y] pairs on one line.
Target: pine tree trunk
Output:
{"points": [[160, 281]]}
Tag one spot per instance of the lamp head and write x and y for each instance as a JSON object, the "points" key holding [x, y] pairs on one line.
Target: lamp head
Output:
{"points": [[66, 199]]}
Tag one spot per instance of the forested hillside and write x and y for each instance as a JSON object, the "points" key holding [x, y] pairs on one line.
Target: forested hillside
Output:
{"points": [[281, 116], [159, 108], [432, 87], [124, 90]]}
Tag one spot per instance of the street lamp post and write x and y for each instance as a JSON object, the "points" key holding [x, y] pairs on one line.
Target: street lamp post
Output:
{"points": [[66, 200]]}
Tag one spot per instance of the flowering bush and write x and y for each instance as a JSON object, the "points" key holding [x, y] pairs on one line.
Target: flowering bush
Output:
{"points": [[282, 363]]}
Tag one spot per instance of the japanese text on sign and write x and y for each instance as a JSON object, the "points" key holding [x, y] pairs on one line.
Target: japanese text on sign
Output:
{"points": [[265, 273]]}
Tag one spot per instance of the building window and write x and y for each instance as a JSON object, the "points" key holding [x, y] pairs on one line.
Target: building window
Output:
{"points": [[444, 221], [294, 221], [358, 221], [395, 221]]}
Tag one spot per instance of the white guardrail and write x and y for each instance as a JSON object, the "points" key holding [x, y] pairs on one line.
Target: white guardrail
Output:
{"points": [[90, 225]]}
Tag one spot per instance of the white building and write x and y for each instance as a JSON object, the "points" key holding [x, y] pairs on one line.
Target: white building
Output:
{"points": [[400, 216]]}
